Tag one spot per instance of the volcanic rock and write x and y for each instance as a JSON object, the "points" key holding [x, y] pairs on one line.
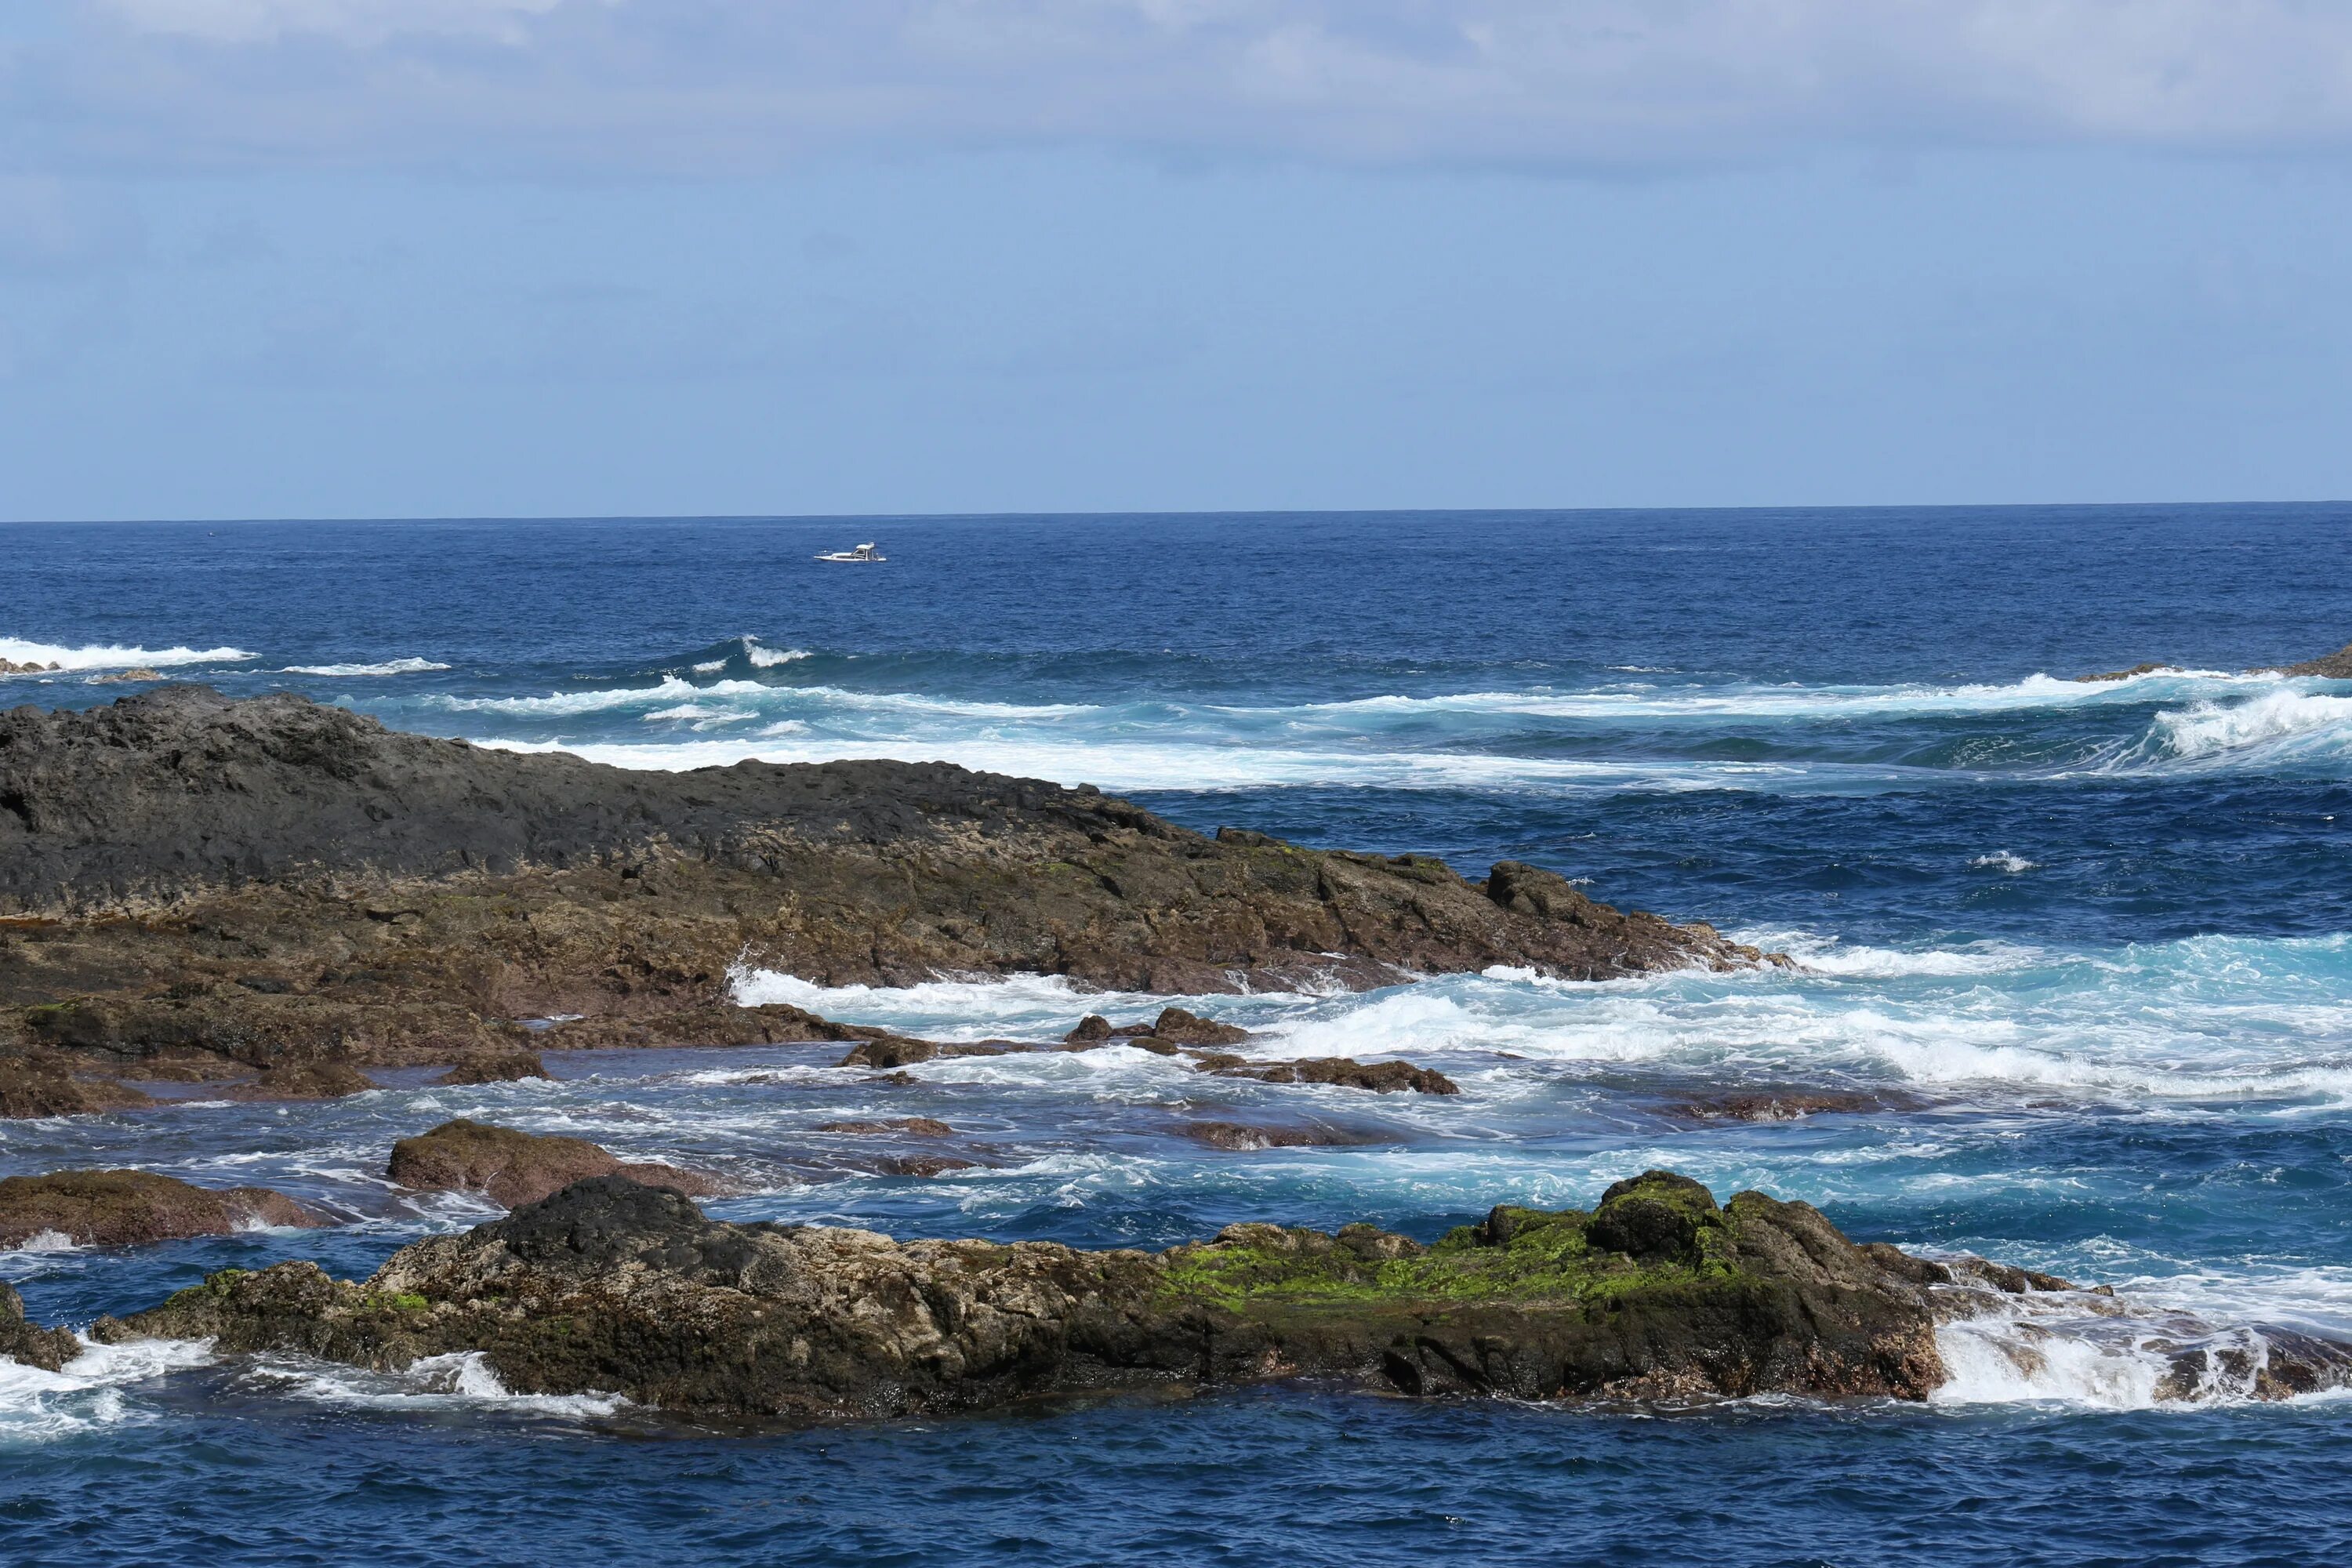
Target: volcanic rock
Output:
{"points": [[9, 667], [1179, 1027], [899, 1050], [611, 1286], [1093, 1029], [305, 1080], [2336, 666], [127, 676], [48, 1349], [512, 1168], [1787, 1104], [403, 898], [1346, 1072], [2136, 669], [502, 1066], [126, 1208], [31, 1087], [1245, 1136], [912, 1126]]}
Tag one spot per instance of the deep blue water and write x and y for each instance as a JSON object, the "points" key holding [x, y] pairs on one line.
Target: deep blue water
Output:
{"points": [[2093, 944]]}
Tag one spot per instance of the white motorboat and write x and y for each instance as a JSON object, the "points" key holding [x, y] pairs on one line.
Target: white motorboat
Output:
{"points": [[863, 552]]}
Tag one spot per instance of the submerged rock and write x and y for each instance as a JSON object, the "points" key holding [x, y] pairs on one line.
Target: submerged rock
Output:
{"points": [[502, 1066], [609, 1285], [273, 879], [1788, 1104], [1346, 1072], [912, 1126], [125, 1208], [305, 1080], [1246, 1136], [513, 1168]]}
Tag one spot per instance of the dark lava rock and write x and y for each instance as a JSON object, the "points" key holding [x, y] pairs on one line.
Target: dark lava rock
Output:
{"points": [[1179, 1027], [305, 1080], [1787, 1104], [1245, 1136], [505, 1067], [1092, 1029], [912, 1126], [400, 897], [925, 1165], [1658, 1293], [32, 1088], [2336, 666], [126, 1208], [898, 1051], [514, 1168], [1346, 1072], [2124, 674], [48, 1349]]}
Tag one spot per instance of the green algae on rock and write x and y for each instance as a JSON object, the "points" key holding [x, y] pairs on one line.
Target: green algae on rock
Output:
{"points": [[610, 1285]]}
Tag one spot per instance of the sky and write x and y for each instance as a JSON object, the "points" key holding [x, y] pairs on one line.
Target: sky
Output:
{"points": [[485, 258]]}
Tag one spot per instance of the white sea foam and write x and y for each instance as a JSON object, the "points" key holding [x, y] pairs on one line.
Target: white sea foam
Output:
{"points": [[2283, 722], [459, 1380], [411, 665], [2107, 1354], [115, 656], [2015, 865], [90, 1392], [765, 658], [47, 1241]]}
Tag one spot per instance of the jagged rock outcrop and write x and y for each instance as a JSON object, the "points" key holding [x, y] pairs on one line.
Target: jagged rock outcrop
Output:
{"points": [[37, 1084], [305, 1080], [48, 1349], [494, 1067], [611, 1286], [511, 1167], [126, 1208], [189, 877]]}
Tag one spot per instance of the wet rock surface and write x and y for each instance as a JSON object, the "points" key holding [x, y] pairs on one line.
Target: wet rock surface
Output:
{"points": [[305, 1080], [513, 1168], [48, 1349], [609, 1285], [1344, 1072], [495, 1066], [185, 876], [31, 1086], [126, 1208]]}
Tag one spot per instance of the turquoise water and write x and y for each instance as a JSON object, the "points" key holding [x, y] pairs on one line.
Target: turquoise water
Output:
{"points": [[2088, 947]]}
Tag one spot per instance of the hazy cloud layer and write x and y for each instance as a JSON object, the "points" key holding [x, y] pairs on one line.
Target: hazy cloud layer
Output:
{"points": [[752, 83]]}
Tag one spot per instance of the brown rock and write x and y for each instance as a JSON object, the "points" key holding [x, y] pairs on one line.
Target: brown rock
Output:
{"points": [[1346, 1072], [2336, 666], [927, 1165], [403, 897], [913, 1126], [30, 1089], [126, 677], [305, 1080], [899, 1050], [506, 1067], [125, 1208], [2124, 674], [511, 1167], [1787, 1104], [1243, 1136], [1178, 1026], [48, 1349], [1092, 1029]]}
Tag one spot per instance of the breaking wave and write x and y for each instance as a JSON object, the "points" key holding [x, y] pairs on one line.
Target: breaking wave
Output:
{"points": [[92, 1391], [115, 656], [388, 667]]}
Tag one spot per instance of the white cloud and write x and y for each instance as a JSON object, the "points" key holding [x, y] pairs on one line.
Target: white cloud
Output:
{"points": [[695, 83]]}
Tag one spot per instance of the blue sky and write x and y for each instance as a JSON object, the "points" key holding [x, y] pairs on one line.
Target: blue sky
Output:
{"points": [[379, 258]]}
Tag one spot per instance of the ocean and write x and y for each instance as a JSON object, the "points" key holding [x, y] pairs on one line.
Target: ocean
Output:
{"points": [[2083, 952]]}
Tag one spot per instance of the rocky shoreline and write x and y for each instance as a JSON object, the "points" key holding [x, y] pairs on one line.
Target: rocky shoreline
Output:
{"points": [[197, 887], [612, 1287]]}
